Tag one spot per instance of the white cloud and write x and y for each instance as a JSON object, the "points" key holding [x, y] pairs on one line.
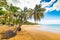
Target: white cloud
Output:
{"points": [[32, 3], [56, 6], [49, 21], [47, 3], [44, 4], [23, 3]]}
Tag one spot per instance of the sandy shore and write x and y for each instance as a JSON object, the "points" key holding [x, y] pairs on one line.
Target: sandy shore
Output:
{"points": [[29, 32]]}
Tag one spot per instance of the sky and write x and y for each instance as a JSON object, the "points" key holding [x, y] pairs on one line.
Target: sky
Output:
{"points": [[52, 13]]}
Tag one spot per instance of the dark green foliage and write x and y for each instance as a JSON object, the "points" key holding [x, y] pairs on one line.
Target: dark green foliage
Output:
{"points": [[1, 11]]}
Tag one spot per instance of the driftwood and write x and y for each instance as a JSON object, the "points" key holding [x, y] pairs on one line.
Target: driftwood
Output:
{"points": [[8, 34]]}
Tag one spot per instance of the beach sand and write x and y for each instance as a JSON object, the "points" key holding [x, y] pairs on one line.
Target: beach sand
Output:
{"points": [[29, 32]]}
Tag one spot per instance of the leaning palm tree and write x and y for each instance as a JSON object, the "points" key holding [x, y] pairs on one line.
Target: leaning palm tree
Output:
{"points": [[38, 14], [23, 16]]}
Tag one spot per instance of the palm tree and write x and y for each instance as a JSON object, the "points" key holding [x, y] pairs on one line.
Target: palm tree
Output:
{"points": [[11, 12], [10, 9], [13, 9], [38, 13], [23, 14]]}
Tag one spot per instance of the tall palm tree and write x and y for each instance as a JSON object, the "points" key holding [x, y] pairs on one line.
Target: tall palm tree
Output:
{"points": [[38, 13]]}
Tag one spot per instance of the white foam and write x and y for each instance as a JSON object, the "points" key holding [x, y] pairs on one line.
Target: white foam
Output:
{"points": [[49, 29]]}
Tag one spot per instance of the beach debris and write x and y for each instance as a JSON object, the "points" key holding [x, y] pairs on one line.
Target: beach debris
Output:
{"points": [[8, 34]]}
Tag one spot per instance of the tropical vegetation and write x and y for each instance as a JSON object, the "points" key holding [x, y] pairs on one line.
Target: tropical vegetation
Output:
{"points": [[12, 15]]}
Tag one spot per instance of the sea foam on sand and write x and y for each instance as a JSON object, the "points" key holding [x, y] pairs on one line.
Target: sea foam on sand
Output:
{"points": [[49, 29]]}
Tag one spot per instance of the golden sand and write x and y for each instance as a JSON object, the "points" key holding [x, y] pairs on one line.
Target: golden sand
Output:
{"points": [[29, 33]]}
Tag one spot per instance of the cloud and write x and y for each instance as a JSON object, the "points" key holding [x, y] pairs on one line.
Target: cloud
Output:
{"points": [[48, 4], [9, 2], [44, 21], [23, 3], [57, 6], [52, 5]]}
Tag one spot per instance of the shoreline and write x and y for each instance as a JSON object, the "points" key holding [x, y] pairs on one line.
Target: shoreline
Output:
{"points": [[44, 28], [49, 29]]}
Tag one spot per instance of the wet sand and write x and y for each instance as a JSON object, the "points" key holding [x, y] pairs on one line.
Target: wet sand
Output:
{"points": [[29, 32]]}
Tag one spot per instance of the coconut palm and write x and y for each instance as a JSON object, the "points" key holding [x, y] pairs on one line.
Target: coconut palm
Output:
{"points": [[9, 8], [38, 13], [14, 10], [11, 12], [27, 12]]}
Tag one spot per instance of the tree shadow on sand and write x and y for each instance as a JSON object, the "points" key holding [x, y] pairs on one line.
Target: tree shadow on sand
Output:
{"points": [[9, 34]]}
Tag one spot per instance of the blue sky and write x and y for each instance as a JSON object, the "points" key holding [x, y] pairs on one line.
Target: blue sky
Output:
{"points": [[45, 0], [51, 17], [52, 13]]}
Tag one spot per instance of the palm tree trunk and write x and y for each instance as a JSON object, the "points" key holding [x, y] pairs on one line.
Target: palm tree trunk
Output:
{"points": [[5, 21], [22, 23], [9, 21], [19, 20], [12, 21]]}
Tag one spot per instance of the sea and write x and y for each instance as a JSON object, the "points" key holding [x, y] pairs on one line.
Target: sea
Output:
{"points": [[55, 28]]}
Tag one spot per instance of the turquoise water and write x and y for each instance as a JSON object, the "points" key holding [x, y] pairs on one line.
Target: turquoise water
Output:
{"points": [[50, 28], [52, 25]]}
